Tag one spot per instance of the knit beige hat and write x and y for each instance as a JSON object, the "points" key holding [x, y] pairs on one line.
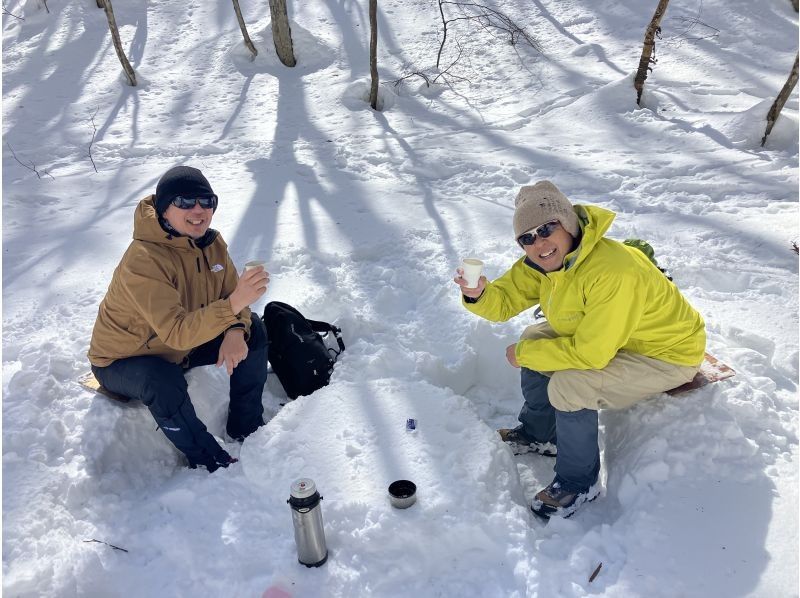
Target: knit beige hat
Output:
{"points": [[540, 203]]}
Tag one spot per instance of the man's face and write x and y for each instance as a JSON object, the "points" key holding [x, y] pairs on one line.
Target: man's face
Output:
{"points": [[549, 253], [193, 222]]}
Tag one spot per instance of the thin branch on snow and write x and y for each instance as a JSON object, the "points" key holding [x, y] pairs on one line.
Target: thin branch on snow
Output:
{"points": [[445, 75], [595, 573], [94, 134], [107, 544], [11, 14], [489, 19], [31, 167]]}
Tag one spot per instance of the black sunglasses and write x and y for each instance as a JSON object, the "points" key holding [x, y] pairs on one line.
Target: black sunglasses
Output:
{"points": [[187, 203], [543, 231]]}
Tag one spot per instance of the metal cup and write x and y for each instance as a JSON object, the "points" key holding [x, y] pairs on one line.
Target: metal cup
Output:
{"points": [[402, 494]]}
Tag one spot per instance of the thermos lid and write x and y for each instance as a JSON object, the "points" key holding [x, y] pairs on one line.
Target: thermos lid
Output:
{"points": [[303, 488]]}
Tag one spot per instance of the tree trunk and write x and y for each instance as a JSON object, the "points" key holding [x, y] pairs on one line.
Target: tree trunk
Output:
{"points": [[649, 48], [777, 105], [100, 4], [247, 41], [795, 5], [112, 24], [281, 32], [373, 53]]}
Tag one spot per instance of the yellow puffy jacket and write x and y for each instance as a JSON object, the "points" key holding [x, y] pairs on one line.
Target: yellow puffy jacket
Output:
{"points": [[607, 297]]}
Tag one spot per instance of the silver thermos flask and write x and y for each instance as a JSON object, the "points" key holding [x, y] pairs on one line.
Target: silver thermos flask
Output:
{"points": [[307, 519]]}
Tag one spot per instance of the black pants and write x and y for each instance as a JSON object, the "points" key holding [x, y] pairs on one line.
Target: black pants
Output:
{"points": [[161, 386]]}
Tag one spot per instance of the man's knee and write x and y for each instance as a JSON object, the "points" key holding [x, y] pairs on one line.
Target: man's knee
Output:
{"points": [[573, 390], [165, 390]]}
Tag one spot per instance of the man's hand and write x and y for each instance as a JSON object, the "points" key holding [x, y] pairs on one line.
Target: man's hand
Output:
{"points": [[252, 284], [233, 349], [466, 291], [511, 355]]}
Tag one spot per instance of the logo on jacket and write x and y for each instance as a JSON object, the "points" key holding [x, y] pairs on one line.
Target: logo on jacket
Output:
{"points": [[217, 268]]}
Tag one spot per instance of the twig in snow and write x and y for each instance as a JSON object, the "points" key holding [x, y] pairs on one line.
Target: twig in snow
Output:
{"points": [[444, 74], [11, 14], [488, 18], [94, 133], [107, 544], [706, 31], [595, 573], [795, 247], [32, 166]]}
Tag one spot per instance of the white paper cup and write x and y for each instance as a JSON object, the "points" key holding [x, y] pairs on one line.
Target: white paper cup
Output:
{"points": [[472, 271], [254, 264]]}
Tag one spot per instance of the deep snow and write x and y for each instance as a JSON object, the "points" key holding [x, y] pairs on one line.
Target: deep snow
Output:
{"points": [[363, 218]]}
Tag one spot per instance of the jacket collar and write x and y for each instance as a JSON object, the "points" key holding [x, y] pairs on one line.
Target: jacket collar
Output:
{"points": [[594, 222], [148, 226]]}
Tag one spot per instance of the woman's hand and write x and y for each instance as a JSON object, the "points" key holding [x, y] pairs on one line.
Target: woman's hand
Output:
{"points": [[465, 290]]}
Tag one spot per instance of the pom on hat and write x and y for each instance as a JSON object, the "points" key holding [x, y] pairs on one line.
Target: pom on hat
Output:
{"points": [[180, 180], [540, 203]]}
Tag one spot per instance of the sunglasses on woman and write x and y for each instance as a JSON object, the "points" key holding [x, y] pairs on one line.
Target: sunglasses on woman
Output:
{"points": [[187, 203], [543, 231]]}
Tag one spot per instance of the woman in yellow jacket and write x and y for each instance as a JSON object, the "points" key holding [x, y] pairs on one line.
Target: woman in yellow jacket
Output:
{"points": [[617, 331]]}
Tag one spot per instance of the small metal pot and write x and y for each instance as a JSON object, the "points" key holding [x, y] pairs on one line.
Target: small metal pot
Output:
{"points": [[402, 494]]}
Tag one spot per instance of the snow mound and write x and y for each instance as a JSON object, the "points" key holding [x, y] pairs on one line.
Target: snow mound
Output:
{"points": [[351, 439], [746, 129], [311, 53]]}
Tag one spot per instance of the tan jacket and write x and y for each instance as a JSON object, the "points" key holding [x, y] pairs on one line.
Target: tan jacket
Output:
{"points": [[167, 295]]}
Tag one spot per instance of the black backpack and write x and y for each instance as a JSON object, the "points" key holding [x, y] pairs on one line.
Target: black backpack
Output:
{"points": [[298, 354]]}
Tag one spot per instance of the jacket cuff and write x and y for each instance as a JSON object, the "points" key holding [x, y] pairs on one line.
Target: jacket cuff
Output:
{"points": [[473, 299]]}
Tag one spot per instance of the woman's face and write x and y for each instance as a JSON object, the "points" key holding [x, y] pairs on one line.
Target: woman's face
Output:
{"points": [[549, 253]]}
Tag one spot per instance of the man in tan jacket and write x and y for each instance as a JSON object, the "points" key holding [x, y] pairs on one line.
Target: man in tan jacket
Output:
{"points": [[176, 302]]}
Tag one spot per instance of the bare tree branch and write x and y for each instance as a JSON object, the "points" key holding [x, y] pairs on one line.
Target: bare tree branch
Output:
{"points": [[94, 134], [445, 75], [706, 31], [31, 167], [112, 25], [488, 18], [247, 41], [107, 544], [11, 14], [595, 573]]}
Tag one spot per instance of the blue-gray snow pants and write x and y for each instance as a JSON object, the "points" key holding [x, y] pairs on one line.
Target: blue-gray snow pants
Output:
{"points": [[573, 432]]}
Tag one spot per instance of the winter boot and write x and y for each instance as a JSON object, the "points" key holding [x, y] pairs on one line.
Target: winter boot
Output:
{"points": [[222, 459], [555, 501], [520, 443]]}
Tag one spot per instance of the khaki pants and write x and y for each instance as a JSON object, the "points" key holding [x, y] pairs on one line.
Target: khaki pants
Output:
{"points": [[627, 379]]}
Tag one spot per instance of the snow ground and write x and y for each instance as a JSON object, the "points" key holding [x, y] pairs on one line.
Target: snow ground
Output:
{"points": [[363, 217]]}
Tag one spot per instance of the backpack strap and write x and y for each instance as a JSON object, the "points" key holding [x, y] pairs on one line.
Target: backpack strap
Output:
{"points": [[325, 328]]}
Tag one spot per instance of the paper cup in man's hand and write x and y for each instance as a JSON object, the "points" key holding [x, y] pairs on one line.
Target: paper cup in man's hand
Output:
{"points": [[254, 264], [472, 271]]}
